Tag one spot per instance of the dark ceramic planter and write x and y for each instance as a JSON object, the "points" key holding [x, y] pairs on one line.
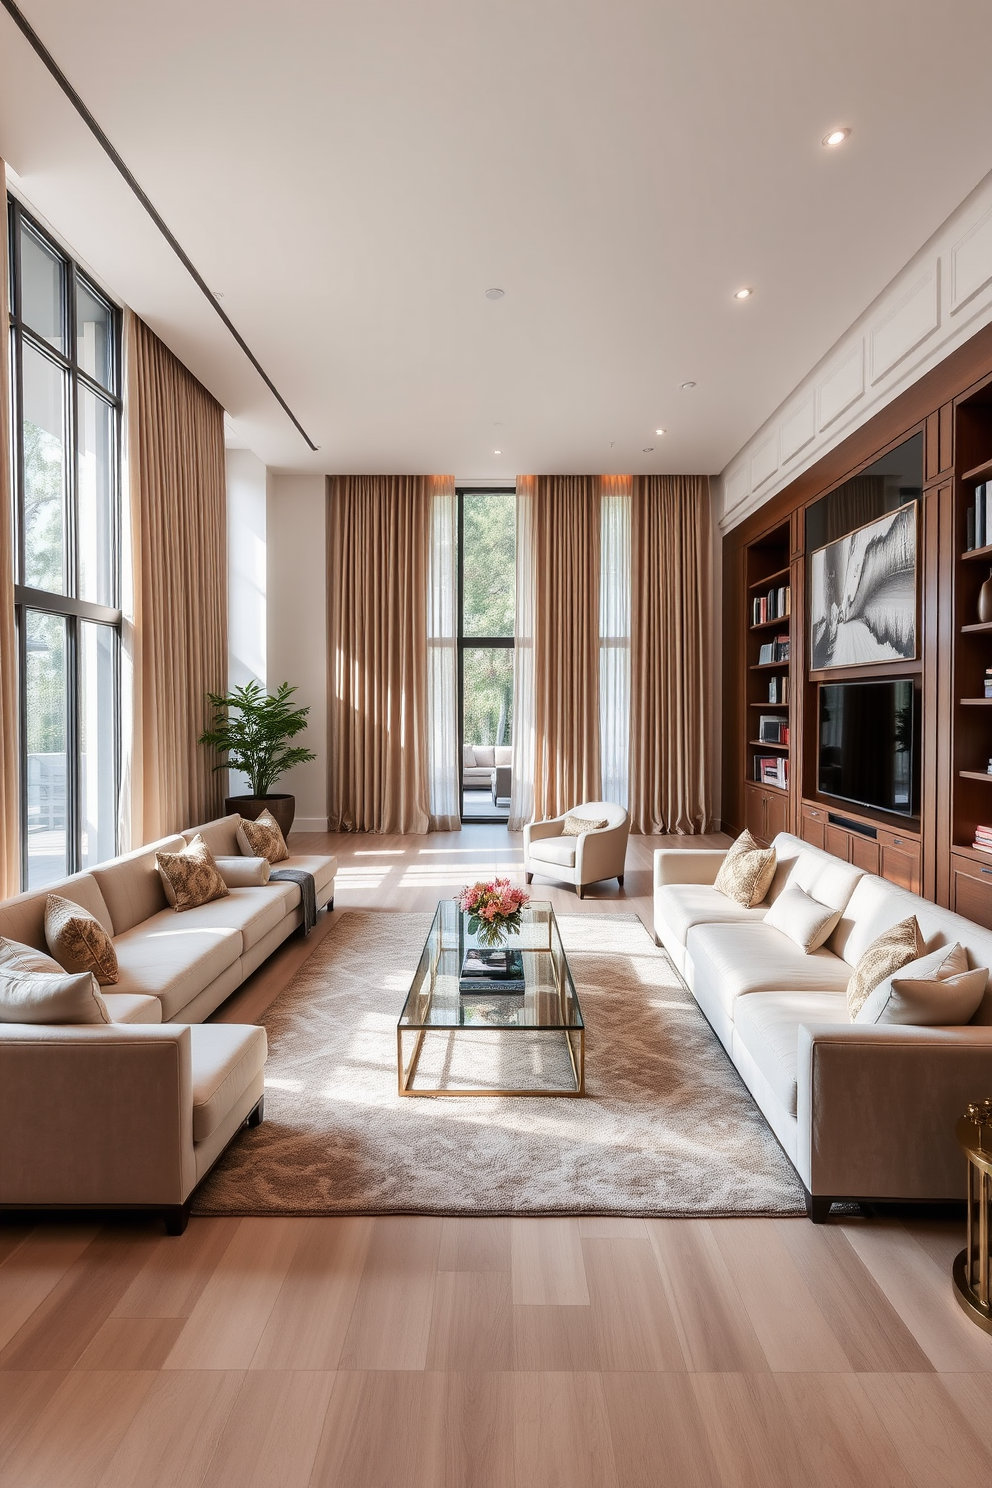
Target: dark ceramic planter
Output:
{"points": [[283, 808]]}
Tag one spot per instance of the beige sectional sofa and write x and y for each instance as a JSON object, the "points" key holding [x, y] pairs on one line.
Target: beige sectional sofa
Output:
{"points": [[864, 1112], [136, 1112], [480, 761]]}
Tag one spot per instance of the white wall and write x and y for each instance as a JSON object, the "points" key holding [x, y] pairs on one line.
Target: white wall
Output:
{"points": [[940, 299], [247, 579], [296, 629]]}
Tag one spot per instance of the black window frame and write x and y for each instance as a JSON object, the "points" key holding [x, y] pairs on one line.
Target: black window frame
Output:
{"points": [[473, 643], [67, 605]]}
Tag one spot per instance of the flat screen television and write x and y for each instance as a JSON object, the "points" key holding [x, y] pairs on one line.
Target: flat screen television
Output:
{"points": [[867, 744]]}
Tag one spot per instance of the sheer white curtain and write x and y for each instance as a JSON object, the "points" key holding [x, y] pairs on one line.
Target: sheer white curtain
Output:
{"points": [[614, 637], [442, 653], [522, 781]]}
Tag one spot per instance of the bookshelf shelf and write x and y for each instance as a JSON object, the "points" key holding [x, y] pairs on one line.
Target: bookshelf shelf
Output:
{"points": [[976, 775], [978, 472], [767, 744], [985, 553], [769, 666], [975, 629], [779, 705], [769, 579], [982, 702], [780, 623]]}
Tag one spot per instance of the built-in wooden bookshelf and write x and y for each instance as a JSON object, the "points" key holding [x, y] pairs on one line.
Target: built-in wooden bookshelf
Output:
{"points": [[768, 628]]}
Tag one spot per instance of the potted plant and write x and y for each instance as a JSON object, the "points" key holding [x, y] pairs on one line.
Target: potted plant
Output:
{"points": [[251, 731]]}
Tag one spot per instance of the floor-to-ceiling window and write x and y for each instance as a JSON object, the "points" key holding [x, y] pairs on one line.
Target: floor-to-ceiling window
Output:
{"points": [[65, 380], [486, 594]]}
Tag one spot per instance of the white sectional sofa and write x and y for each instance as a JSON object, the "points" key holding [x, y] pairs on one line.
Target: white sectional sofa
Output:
{"points": [[863, 1112], [479, 762], [134, 1114]]}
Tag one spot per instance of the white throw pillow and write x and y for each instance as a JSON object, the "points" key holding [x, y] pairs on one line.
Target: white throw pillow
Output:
{"points": [[35, 989], [934, 991], [802, 918]]}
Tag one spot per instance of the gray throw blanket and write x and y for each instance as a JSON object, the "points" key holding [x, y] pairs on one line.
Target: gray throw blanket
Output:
{"points": [[308, 892]]}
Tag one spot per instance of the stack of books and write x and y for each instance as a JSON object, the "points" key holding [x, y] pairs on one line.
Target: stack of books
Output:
{"points": [[980, 518], [774, 605], [778, 689], [983, 839], [772, 770], [776, 650], [485, 972]]}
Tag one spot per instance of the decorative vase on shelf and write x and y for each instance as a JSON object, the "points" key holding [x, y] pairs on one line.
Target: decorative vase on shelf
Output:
{"points": [[985, 600]]}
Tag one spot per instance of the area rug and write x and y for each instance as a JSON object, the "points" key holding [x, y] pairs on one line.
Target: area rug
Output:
{"points": [[667, 1126]]}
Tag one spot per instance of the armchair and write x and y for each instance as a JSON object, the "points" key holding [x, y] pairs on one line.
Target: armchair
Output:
{"points": [[586, 859]]}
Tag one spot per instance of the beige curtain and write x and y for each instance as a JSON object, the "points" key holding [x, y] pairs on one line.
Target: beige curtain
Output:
{"points": [[670, 712], [565, 515], [175, 631], [10, 815], [378, 534]]}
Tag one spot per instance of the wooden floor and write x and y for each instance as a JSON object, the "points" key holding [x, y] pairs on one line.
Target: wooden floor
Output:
{"points": [[381, 1353]]}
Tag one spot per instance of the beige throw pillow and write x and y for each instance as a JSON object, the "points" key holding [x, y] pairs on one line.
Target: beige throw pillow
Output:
{"points": [[894, 949], [262, 838], [190, 877], [35, 989], [78, 941], [574, 826], [936, 990], [746, 872], [802, 918]]}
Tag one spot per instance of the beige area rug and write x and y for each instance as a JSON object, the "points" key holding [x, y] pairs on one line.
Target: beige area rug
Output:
{"points": [[667, 1126]]}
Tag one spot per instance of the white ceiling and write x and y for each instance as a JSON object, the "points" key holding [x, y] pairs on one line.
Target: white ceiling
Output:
{"points": [[354, 176]]}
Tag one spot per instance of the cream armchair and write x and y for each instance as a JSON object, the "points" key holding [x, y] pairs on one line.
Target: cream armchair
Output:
{"points": [[586, 859]]}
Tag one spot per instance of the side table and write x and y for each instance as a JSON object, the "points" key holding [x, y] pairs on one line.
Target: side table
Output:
{"points": [[973, 1266]]}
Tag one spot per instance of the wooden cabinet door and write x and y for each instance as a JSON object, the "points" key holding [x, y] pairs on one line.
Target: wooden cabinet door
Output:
{"points": [[900, 860], [754, 815], [864, 853], [837, 841], [776, 814], [811, 831], [971, 890]]}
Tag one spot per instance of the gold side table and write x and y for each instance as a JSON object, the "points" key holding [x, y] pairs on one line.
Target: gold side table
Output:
{"points": [[973, 1266]]}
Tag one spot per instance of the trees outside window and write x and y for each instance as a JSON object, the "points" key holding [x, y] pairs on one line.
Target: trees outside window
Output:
{"points": [[487, 557]]}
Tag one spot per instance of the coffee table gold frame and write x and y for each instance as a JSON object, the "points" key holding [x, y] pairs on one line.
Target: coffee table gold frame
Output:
{"points": [[407, 1072], [973, 1267]]}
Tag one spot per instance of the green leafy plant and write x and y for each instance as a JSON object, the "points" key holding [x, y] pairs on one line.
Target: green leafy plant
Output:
{"points": [[251, 729]]}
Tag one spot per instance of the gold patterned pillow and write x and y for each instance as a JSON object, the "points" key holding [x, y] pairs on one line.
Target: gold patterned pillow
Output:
{"points": [[262, 838], [746, 872], [894, 949], [190, 877], [575, 825], [78, 941]]}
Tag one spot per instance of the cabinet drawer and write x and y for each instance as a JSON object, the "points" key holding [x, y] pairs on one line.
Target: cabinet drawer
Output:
{"points": [[971, 890]]}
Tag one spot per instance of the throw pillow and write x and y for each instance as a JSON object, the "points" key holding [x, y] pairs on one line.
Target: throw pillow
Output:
{"points": [[35, 989], [746, 872], [937, 989], [262, 838], [574, 826], [894, 949], [190, 877], [78, 941], [802, 918]]}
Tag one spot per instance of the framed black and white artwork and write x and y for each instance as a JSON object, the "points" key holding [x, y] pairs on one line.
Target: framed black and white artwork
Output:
{"points": [[863, 594]]}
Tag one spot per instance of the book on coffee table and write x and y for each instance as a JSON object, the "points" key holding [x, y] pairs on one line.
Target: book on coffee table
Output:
{"points": [[485, 972]]}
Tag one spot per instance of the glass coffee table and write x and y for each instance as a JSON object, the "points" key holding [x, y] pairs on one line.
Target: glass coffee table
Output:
{"points": [[438, 1015]]}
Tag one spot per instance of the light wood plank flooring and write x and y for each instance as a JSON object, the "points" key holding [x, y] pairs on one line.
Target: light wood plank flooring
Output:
{"points": [[381, 1353]]}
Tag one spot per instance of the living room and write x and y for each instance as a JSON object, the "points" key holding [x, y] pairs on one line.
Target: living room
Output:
{"points": [[495, 535]]}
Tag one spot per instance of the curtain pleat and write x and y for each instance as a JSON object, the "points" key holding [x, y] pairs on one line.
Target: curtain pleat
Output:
{"points": [[670, 789], [523, 740], [566, 548], [175, 636], [10, 814], [614, 638], [378, 555], [442, 660]]}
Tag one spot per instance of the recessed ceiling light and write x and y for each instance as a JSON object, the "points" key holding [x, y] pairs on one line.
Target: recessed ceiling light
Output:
{"points": [[835, 137], [497, 452], [495, 294], [661, 431], [648, 449], [743, 294], [686, 385]]}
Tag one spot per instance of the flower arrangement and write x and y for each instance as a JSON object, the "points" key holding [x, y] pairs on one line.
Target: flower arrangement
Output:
{"points": [[493, 909]]}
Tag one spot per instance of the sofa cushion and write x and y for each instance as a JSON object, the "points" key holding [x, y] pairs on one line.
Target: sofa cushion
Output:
{"points": [[575, 826], [468, 756], [825, 879], [133, 1007], [485, 756], [322, 866], [557, 850], [78, 941], [131, 885], [262, 838], [732, 961], [802, 918], [36, 989], [937, 990], [893, 949], [684, 905], [22, 918], [767, 1026], [174, 957], [225, 1058], [873, 907], [747, 871], [190, 877], [503, 755], [221, 835]]}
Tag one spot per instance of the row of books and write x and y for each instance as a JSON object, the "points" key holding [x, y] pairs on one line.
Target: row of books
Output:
{"points": [[776, 650], [772, 771], [983, 839], [979, 518], [778, 689], [774, 605], [772, 729]]}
